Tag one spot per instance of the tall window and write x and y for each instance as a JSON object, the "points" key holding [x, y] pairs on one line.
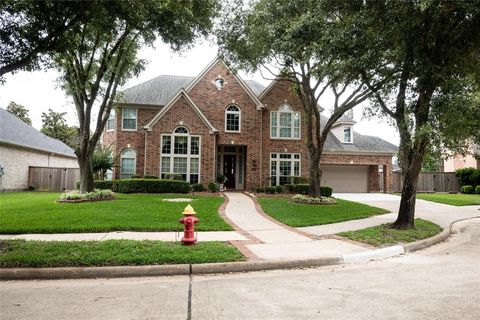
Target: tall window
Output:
{"points": [[283, 167], [180, 158], [111, 121], [129, 119], [128, 163], [347, 135], [232, 118], [285, 123]]}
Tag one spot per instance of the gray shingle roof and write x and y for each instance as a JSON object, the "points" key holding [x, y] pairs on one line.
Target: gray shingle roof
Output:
{"points": [[159, 90], [361, 143], [16, 132]]}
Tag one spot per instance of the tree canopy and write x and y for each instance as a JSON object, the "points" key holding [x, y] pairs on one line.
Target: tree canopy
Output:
{"points": [[19, 111], [55, 125]]}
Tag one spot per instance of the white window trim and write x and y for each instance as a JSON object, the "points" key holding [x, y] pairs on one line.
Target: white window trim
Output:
{"points": [[239, 118], [136, 119], [134, 162], [351, 134], [277, 137], [291, 160], [188, 156], [114, 122]]}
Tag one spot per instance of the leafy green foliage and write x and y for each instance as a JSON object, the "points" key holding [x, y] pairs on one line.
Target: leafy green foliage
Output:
{"points": [[303, 215], [19, 111], [50, 254], [150, 186], [467, 189], [55, 125], [102, 161], [38, 212], [477, 190], [198, 187], [304, 188], [213, 187], [300, 198], [468, 176]]}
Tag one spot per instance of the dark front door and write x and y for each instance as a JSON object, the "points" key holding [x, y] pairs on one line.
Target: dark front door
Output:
{"points": [[229, 167]]}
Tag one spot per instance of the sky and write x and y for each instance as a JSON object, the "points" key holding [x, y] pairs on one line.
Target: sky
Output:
{"points": [[39, 91]]}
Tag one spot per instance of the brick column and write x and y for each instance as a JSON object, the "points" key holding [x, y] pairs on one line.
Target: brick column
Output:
{"points": [[373, 182], [387, 178]]}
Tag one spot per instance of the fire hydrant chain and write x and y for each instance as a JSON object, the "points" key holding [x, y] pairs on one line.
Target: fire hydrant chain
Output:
{"points": [[188, 221]]}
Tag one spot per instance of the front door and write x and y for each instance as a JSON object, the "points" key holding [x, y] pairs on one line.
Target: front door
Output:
{"points": [[229, 166]]}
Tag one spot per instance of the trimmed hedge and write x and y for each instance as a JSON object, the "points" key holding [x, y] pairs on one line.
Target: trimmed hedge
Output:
{"points": [[305, 188], [477, 189], [467, 189], [198, 187], [468, 176], [136, 185]]}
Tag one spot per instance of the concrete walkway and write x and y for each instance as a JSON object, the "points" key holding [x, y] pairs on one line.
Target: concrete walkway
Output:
{"points": [[274, 241], [127, 235], [441, 214]]}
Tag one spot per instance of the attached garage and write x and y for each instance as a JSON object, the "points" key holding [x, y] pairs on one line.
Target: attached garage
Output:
{"points": [[345, 178]]}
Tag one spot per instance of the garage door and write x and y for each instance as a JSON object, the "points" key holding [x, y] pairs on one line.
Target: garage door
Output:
{"points": [[345, 178]]}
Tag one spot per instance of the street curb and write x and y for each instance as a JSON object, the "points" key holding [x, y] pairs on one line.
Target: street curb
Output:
{"points": [[211, 268]]}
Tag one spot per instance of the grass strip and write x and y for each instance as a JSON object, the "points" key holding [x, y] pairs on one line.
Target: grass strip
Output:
{"points": [[456, 199], [385, 235], [40, 254], [302, 215]]}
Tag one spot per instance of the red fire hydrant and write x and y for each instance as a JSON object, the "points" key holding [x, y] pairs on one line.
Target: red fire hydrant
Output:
{"points": [[188, 221]]}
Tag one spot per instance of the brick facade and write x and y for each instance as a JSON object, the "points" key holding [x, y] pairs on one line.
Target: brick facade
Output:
{"points": [[254, 135]]}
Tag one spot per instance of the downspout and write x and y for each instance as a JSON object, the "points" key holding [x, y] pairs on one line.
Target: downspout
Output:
{"points": [[145, 154], [215, 156]]}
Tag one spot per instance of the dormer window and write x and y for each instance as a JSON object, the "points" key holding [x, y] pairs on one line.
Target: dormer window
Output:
{"points": [[347, 135], [285, 123]]}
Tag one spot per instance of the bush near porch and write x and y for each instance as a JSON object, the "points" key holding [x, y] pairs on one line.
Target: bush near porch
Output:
{"points": [[303, 215], [38, 212]]}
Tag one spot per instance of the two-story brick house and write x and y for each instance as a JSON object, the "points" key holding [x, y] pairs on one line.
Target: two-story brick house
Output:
{"points": [[217, 123]]}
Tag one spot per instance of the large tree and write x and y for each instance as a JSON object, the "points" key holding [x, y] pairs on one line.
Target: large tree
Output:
{"points": [[103, 55], [430, 52], [31, 29], [55, 125], [19, 111], [299, 42]]}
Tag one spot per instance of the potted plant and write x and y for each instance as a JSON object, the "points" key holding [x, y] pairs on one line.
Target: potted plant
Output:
{"points": [[221, 179]]}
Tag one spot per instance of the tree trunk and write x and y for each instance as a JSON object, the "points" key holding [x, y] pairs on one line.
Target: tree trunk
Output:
{"points": [[406, 212], [86, 174], [315, 178]]}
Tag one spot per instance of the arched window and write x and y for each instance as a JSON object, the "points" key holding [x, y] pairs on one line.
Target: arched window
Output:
{"points": [[285, 123], [232, 118], [128, 163], [180, 158]]}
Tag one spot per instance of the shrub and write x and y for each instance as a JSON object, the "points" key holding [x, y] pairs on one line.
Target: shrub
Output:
{"points": [[76, 196], [150, 186], [468, 176], [300, 180], [270, 190], [326, 191], [299, 188], [259, 190], [279, 189], [213, 187], [148, 176], [468, 189], [136, 177], [198, 187], [477, 189], [103, 184], [300, 198]]}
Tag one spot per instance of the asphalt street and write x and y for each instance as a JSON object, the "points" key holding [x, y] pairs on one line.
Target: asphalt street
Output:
{"points": [[441, 282]]}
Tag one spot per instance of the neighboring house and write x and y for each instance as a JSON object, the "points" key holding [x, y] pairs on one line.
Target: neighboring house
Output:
{"points": [[458, 161], [217, 124], [22, 146]]}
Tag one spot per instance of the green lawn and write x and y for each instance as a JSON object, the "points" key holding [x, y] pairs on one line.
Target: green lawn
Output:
{"points": [[37, 254], [302, 215], [456, 199], [38, 212], [383, 235]]}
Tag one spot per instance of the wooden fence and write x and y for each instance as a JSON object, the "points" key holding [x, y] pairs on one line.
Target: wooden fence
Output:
{"points": [[53, 179], [429, 182]]}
